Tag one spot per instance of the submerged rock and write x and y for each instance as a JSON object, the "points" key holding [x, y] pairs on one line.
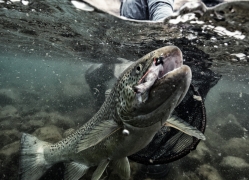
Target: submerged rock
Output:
{"points": [[202, 153], [8, 136], [34, 124], [9, 158], [8, 111], [10, 150], [68, 132], [237, 147], [229, 127], [214, 140], [208, 172], [234, 162], [49, 133], [8, 96], [60, 121], [9, 118], [53, 118]]}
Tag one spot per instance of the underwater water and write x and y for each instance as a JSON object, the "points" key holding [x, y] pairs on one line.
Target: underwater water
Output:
{"points": [[44, 92], [49, 97]]}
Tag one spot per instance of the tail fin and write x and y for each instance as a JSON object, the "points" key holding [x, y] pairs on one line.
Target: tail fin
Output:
{"points": [[32, 162]]}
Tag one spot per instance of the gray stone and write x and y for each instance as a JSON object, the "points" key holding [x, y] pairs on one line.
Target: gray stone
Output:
{"points": [[9, 157], [10, 149], [237, 167], [238, 147], [60, 121], [208, 172], [49, 133], [229, 127], [214, 140], [35, 124], [9, 136], [8, 96], [68, 132], [234, 162], [188, 176], [8, 111], [53, 118], [201, 153]]}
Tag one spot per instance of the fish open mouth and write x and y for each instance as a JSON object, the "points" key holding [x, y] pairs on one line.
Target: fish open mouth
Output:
{"points": [[162, 65], [174, 78], [169, 62], [163, 86]]}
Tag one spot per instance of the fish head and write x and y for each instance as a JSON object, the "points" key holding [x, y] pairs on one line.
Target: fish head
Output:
{"points": [[166, 92]]}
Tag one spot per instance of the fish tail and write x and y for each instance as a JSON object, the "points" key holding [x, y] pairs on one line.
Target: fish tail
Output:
{"points": [[32, 161]]}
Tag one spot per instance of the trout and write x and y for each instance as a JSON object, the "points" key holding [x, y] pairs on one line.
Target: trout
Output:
{"points": [[123, 125]]}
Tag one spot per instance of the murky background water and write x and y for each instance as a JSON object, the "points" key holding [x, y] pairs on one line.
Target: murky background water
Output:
{"points": [[43, 91]]}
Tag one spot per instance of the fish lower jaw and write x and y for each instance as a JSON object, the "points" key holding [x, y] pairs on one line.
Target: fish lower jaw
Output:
{"points": [[172, 71]]}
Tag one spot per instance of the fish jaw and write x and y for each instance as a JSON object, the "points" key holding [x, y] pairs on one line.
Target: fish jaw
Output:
{"points": [[165, 60], [134, 77], [165, 94], [172, 87], [171, 61]]}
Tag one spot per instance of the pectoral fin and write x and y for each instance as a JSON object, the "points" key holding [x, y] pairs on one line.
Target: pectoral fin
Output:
{"points": [[97, 134], [74, 170], [122, 167], [100, 169], [183, 126]]}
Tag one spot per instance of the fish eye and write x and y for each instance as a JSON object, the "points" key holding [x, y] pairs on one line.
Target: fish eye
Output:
{"points": [[139, 68]]}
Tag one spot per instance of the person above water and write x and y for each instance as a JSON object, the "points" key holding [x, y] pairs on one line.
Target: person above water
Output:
{"points": [[153, 10]]}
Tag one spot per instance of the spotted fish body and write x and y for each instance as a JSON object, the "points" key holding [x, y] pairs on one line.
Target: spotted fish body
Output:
{"points": [[122, 126]]}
